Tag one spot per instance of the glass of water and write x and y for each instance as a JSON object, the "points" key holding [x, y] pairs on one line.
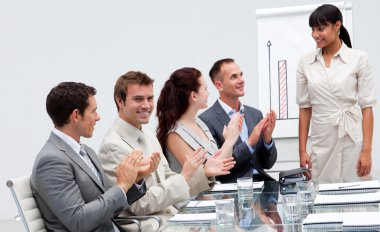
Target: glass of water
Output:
{"points": [[245, 187], [291, 208], [225, 213], [305, 194]]}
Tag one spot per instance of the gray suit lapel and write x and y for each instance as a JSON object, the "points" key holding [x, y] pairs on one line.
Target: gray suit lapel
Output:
{"points": [[249, 120], [66, 149]]}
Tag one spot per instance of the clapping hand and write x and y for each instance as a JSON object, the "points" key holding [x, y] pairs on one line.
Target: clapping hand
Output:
{"points": [[218, 167], [269, 126], [232, 131], [193, 162], [126, 171], [148, 165]]}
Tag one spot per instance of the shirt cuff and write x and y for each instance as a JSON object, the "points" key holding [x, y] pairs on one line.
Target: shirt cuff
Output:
{"points": [[268, 146], [251, 149], [138, 185]]}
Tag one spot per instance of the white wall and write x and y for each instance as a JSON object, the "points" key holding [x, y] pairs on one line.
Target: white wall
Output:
{"points": [[44, 42]]}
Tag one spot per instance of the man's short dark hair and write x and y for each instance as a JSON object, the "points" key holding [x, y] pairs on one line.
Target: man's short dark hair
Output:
{"points": [[131, 77], [65, 98], [215, 69]]}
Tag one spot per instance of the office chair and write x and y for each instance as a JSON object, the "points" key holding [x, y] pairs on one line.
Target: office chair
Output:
{"points": [[30, 214], [26, 205]]}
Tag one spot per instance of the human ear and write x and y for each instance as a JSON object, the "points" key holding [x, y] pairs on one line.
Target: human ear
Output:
{"points": [[338, 25], [219, 86]]}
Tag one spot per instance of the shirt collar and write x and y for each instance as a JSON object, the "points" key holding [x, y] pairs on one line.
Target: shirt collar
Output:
{"points": [[342, 53], [67, 139], [229, 111], [127, 130]]}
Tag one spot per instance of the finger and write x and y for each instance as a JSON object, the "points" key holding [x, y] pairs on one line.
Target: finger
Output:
{"points": [[225, 161]]}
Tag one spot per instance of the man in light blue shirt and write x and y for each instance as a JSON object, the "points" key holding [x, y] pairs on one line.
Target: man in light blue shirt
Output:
{"points": [[255, 150]]}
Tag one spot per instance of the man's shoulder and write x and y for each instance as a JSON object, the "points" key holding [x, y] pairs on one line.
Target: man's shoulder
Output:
{"points": [[209, 113], [252, 109]]}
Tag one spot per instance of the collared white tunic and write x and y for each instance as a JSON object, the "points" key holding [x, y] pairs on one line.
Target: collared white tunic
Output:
{"points": [[336, 96]]}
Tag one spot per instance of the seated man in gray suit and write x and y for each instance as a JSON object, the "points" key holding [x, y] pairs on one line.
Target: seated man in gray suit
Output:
{"points": [[68, 183], [255, 150]]}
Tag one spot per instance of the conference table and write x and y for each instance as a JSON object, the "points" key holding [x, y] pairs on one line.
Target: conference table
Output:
{"points": [[266, 212]]}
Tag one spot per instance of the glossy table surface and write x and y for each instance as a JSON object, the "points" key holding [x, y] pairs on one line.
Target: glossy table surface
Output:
{"points": [[266, 212]]}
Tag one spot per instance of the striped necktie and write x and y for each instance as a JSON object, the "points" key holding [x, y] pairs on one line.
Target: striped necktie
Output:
{"points": [[89, 163]]}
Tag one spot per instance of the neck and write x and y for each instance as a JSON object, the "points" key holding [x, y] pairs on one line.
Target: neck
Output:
{"points": [[69, 131], [189, 115], [137, 125], [333, 48], [231, 102]]}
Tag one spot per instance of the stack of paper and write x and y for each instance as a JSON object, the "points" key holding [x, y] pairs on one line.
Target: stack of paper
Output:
{"points": [[353, 187], [359, 198], [233, 187], [349, 221], [201, 204], [193, 218]]}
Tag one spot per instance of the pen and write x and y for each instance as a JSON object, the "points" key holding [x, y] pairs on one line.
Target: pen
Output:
{"points": [[348, 186]]}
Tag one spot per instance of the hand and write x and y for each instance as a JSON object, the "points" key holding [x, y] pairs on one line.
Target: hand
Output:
{"points": [[218, 167], [269, 127], [306, 162], [232, 131], [192, 163], [255, 134], [364, 165], [126, 171], [148, 165]]}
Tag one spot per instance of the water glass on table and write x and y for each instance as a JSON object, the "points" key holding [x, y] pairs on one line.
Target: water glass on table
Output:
{"points": [[245, 187], [225, 213], [305, 194], [291, 208]]}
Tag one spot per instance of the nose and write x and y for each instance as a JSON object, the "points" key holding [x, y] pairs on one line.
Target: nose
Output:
{"points": [[145, 103], [240, 79], [97, 118]]}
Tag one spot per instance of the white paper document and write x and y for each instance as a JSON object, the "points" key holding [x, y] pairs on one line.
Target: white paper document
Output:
{"points": [[233, 187], [359, 198], [193, 218], [349, 221], [201, 204], [352, 187]]}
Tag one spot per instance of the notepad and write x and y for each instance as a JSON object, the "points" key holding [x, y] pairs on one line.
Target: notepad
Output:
{"points": [[359, 198], [193, 218], [362, 221], [233, 187], [352, 187], [201, 204], [345, 221], [323, 220]]}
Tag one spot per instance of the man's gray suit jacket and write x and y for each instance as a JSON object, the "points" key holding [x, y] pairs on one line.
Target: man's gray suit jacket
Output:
{"points": [[70, 196], [216, 118]]}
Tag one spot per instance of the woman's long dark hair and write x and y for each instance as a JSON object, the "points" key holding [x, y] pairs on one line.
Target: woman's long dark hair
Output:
{"points": [[328, 13], [174, 100]]}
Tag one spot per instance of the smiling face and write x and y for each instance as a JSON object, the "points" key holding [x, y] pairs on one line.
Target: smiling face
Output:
{"points": [[86, 122], [138, 105], [325, 35], [230, 82]]}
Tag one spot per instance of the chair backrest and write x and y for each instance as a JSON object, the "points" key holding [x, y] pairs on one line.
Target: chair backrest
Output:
{"points": [[26, 204]]}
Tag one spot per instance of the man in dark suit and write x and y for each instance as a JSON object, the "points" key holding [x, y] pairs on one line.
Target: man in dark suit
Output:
{"points": [[71, 189], [255, 150]]}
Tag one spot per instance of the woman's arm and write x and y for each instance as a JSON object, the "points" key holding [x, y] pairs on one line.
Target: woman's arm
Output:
{"points": [[303, 131], [364, 164]]}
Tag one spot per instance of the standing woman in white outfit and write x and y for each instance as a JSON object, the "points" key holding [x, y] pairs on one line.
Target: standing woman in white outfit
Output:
{"points": [[335, 94]]}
